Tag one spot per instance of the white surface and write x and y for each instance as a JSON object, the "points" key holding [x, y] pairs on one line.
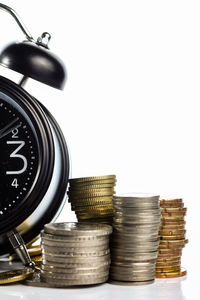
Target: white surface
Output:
{"points": [[130, 107], [162, 289]]}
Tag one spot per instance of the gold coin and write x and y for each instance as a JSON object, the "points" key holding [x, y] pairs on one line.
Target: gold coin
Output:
{"points": [[171, 200], [91, 201], [172, 221], [166, 227], [172, 232], [95, 209], [163, 270], [92, 186], [171, 274], [173, 214], [172, 237], [83, 197], [161, 259], [174, 210], [169, 263], [15, 275], [170, 252], [93, 178]]}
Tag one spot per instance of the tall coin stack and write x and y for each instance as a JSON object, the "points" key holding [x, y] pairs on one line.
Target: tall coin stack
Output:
{"points": [[134, 242], [172, 239], [75, 254], [91, 198]]}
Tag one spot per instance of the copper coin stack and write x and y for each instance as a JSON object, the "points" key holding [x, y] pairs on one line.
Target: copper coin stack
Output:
{"points": [[91, 198], [172, 239]]}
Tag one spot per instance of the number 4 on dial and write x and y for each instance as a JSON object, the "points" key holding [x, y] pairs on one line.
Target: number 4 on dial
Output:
{"points": [[15, 183]]}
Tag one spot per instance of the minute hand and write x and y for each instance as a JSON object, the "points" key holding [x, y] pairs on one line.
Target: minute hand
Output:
{"points": [[9, 127]]}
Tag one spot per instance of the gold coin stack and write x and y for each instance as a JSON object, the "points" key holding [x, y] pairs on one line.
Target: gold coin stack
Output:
{"points": [[172, 239], [91, 198]]}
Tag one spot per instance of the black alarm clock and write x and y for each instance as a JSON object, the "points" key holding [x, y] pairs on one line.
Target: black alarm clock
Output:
{"points": [[34, 160]]}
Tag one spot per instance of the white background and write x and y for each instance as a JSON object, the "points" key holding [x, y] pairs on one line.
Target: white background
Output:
{"points": [[131, 102]]}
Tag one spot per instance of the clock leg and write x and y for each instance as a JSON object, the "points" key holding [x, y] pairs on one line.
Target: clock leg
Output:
{"points": [[20, 248]]}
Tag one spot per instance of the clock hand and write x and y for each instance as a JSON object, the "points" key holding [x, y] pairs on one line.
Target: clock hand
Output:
{"points": [[9, 127]]}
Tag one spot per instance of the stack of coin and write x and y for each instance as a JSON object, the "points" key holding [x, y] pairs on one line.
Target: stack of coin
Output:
{"points": [[75, 254], [91, 198], [172, 239], [134, 242]]}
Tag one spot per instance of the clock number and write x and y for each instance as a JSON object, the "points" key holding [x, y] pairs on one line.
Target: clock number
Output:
{"points": [[15, 183], [15, 133], [15, 155]]}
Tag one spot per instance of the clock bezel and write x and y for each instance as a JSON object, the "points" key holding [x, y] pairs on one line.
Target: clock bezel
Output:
{"points": [[47, 154]]}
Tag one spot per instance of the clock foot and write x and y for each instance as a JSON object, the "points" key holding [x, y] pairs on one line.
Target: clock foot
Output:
{"points": [[20, 248]]}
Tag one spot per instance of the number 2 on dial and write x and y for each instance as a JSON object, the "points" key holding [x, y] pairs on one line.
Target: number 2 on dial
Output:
{"points": [[15, 154]]}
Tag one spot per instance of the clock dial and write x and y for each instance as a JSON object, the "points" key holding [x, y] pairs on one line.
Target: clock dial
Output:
{"points": [[19, 155]]}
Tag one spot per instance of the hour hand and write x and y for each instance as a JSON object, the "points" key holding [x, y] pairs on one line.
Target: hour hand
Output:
{"points": [[9, 127]]}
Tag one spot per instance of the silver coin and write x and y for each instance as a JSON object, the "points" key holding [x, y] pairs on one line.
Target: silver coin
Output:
{"points": [[65, 248], [75, 270], [144, 256], [84, 264], [131, 283], [136, 271], [134, 264], [127, 237], [119, 205], [136, 228], [134, 211], [96, 244], [129, 244], [63, 276], [131, 278], [65, 260], [136, 221], [66, 283], [74, 239], [130, 251], [71, 229], [66, 253]]}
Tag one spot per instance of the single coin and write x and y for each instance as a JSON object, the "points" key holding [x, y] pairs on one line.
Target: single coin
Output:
{"points": [[144, 256], [168, 269], [172, 232], [97, 244], [90, 193], [81, 187], [89, 184], [92, 178], [171, 200], [75, 270], [172, 237], [130, 283], [63, 259], [94, 208], [168, 264], [15, 275], [161, 259], [174, 210], [131, 278], [134, 264], [74, 265], [63, 283], [62, 276], [172, 274], [74, 229], [74, 239], [66, 253]]}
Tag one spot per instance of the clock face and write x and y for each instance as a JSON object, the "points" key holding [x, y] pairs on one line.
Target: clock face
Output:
{"points": [[19, 155]]}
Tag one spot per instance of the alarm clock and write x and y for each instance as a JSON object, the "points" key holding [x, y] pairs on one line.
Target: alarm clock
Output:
{"points": [[34, 160]]}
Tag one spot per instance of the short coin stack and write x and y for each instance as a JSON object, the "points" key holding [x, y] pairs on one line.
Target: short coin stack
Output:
{"points": [[134, 242], [75, 254], [172, 239], [91, 198]]}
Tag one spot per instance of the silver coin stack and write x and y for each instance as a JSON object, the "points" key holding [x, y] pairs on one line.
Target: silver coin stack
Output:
{"points": [[134, 242], [75, 254]]}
